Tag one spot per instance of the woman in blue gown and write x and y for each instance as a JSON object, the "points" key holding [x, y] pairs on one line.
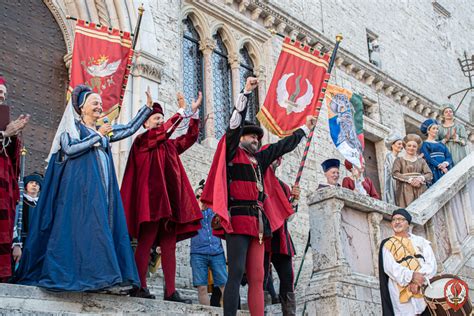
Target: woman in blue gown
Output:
{"points": [[78, 237], [435, 153]]}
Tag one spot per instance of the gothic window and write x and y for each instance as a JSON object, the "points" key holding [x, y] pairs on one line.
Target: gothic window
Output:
{"points": [[246, 70], [222, 85], [192, 69]]}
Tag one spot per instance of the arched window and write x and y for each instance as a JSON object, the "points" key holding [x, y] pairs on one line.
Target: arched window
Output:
{"points": [[246, 70], [222, 85], [193, 71]]}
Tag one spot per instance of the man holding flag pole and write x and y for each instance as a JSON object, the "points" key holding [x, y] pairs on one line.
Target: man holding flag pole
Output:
{"points": [[235, 191], [298, 88]]}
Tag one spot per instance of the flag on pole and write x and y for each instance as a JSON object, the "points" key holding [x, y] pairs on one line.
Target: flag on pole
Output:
{"points": [[345, 114], [296, 90], [101, 59]]}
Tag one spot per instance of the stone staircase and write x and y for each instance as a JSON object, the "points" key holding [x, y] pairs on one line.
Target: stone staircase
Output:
{"points": [[29, 300]]}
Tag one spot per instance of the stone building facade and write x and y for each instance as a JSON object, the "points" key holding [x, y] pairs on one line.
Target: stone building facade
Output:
{"points": [[213, 45]]}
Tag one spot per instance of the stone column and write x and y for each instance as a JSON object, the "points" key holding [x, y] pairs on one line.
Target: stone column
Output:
{"points": [[453, 239], [260, 74], [430, 233], [375, 237], [207, 46], [466, 203], [326, 242], [234, 62]]}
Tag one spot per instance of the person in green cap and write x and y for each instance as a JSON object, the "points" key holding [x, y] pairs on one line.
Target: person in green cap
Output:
{"points": [[452, 134]]}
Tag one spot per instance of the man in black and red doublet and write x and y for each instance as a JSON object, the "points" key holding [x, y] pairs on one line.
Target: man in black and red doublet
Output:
{"points": [[235, 191]]}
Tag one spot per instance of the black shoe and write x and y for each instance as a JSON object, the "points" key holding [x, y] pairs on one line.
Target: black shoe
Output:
{"points": [[141, 292], [176, 298], [275, 300], [288, 304]]}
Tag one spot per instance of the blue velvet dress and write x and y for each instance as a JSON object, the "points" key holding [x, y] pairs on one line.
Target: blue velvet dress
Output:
{"points": [[78, 238], [435, 153]]}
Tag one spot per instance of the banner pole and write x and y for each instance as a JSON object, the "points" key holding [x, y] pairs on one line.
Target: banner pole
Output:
{"points": [[141, 9], [306, 150], [310, 136]]}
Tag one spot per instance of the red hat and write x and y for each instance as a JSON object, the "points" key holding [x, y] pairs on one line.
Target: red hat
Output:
{"points": [[157, 109], [3, 81]]}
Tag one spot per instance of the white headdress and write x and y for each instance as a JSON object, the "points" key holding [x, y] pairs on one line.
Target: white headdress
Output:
{"points": [[68, 125]]}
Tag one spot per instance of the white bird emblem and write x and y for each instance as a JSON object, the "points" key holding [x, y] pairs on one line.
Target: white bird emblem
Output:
{"points": [[103, 69], [290, 103]]}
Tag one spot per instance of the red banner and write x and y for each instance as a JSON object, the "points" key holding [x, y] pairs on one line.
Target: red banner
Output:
{"points": [[297, 88], [101, 59]]}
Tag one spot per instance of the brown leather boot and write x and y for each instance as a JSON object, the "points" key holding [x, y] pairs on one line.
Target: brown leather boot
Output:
{"points": [[288, 304]]}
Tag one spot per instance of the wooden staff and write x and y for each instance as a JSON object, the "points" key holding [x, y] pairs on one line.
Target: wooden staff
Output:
{"points": [[141, 9], [306, 150], [311, 133]]}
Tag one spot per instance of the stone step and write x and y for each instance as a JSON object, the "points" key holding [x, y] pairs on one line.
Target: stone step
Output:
{"points": [[30, 300]]}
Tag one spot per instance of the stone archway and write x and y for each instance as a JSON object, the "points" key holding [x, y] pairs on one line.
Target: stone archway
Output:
{"points": [[32, 48]]}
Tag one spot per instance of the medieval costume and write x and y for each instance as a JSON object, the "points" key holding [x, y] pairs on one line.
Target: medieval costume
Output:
{"points": [[454, 137], [78, 238], [403, 170], [435, 153], [159, 202], [235, 192], [279, 250], [362, 185], [389, 182], [22, 226], [398, 258], [9, 194]]}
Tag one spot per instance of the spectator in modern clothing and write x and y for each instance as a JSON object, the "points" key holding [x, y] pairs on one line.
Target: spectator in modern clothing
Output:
{"points": [[207, 253]]}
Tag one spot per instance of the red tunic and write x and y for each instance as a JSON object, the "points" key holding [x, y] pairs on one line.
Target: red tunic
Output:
{"points": [[155, 186], [368, 185], [281, 242], [231, 183], [9, 194]]}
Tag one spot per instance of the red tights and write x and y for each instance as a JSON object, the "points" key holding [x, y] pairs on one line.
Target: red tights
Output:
{"points": [[149, 232]]}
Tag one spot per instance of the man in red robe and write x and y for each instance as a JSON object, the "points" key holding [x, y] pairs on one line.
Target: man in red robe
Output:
{"points": [[358, 182], [235, 191], [9, 172], [279, 250], [158, 199]]}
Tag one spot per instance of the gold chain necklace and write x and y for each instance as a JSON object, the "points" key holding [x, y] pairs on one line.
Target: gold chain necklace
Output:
{"points": [[258, 176]]}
